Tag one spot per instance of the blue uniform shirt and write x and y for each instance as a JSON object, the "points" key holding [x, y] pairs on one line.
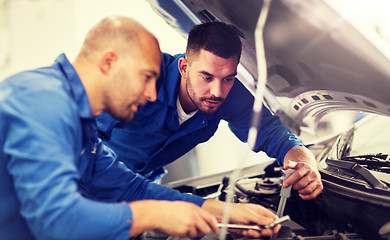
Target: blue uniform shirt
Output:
{"points": [[57, 180], [154, 138]]}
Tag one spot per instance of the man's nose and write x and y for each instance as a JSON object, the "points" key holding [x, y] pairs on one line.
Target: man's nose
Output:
{"points": [[216, 88], [150, 92]]}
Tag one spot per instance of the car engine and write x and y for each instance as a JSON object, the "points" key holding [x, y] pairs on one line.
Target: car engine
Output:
{"points": [[309, 218]]}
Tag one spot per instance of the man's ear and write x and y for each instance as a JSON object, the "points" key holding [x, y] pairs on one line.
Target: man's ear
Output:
{"points": [[107, 61], [183, 65]]}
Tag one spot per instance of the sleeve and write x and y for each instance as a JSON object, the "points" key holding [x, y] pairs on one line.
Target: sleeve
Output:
{"points": [[273, 137], [111, 181], [41, 156]]}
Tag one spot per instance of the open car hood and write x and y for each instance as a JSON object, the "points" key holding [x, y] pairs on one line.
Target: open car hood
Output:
{"points": [[317, 61]]}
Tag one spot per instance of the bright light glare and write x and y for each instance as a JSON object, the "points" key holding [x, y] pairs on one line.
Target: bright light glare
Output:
{"points": [[373, 15]]}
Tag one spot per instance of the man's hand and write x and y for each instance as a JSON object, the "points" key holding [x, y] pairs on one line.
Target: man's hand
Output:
{"points": [[253, 214], [242, 213], [177, 218], [306, 179]]}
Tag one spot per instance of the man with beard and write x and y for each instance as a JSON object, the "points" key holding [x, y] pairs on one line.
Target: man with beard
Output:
{"points": [[195, 92]]}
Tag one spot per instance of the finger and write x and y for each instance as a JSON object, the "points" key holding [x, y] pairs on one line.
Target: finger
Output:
{"points": [[260, 210], [301, 170], [312, 189], [252, 233], [259, 215], [310, 177], [304, 183], [256, 234], [267, 213], [193, 233], [314, 194], [308, 189], [203, 227], [210, 221], [276, 228], [261, 220], [181, 232], [267, 232]]}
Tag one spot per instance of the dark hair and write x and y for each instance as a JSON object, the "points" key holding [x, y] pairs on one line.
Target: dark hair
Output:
{"points": [[218, 38]]}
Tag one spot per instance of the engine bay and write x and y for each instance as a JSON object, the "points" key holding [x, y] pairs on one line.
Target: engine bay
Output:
{"points": [[309, 218]]}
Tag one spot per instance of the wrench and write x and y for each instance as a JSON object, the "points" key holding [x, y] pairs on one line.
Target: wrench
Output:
{"points": [[284, 193]]}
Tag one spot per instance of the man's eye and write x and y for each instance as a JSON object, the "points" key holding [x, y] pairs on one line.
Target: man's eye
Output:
{"points": [[229, 79], [208, 78]]}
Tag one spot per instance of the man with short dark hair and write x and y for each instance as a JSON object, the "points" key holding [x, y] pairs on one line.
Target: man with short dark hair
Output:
{"points": [[58, 181], [195, 92]]}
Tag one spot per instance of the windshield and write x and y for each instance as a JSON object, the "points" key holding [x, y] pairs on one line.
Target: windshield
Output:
{"points": [[371, 137], [366, 144]]}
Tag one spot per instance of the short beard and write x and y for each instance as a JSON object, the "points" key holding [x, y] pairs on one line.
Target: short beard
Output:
{"points": [[198, 103]]}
